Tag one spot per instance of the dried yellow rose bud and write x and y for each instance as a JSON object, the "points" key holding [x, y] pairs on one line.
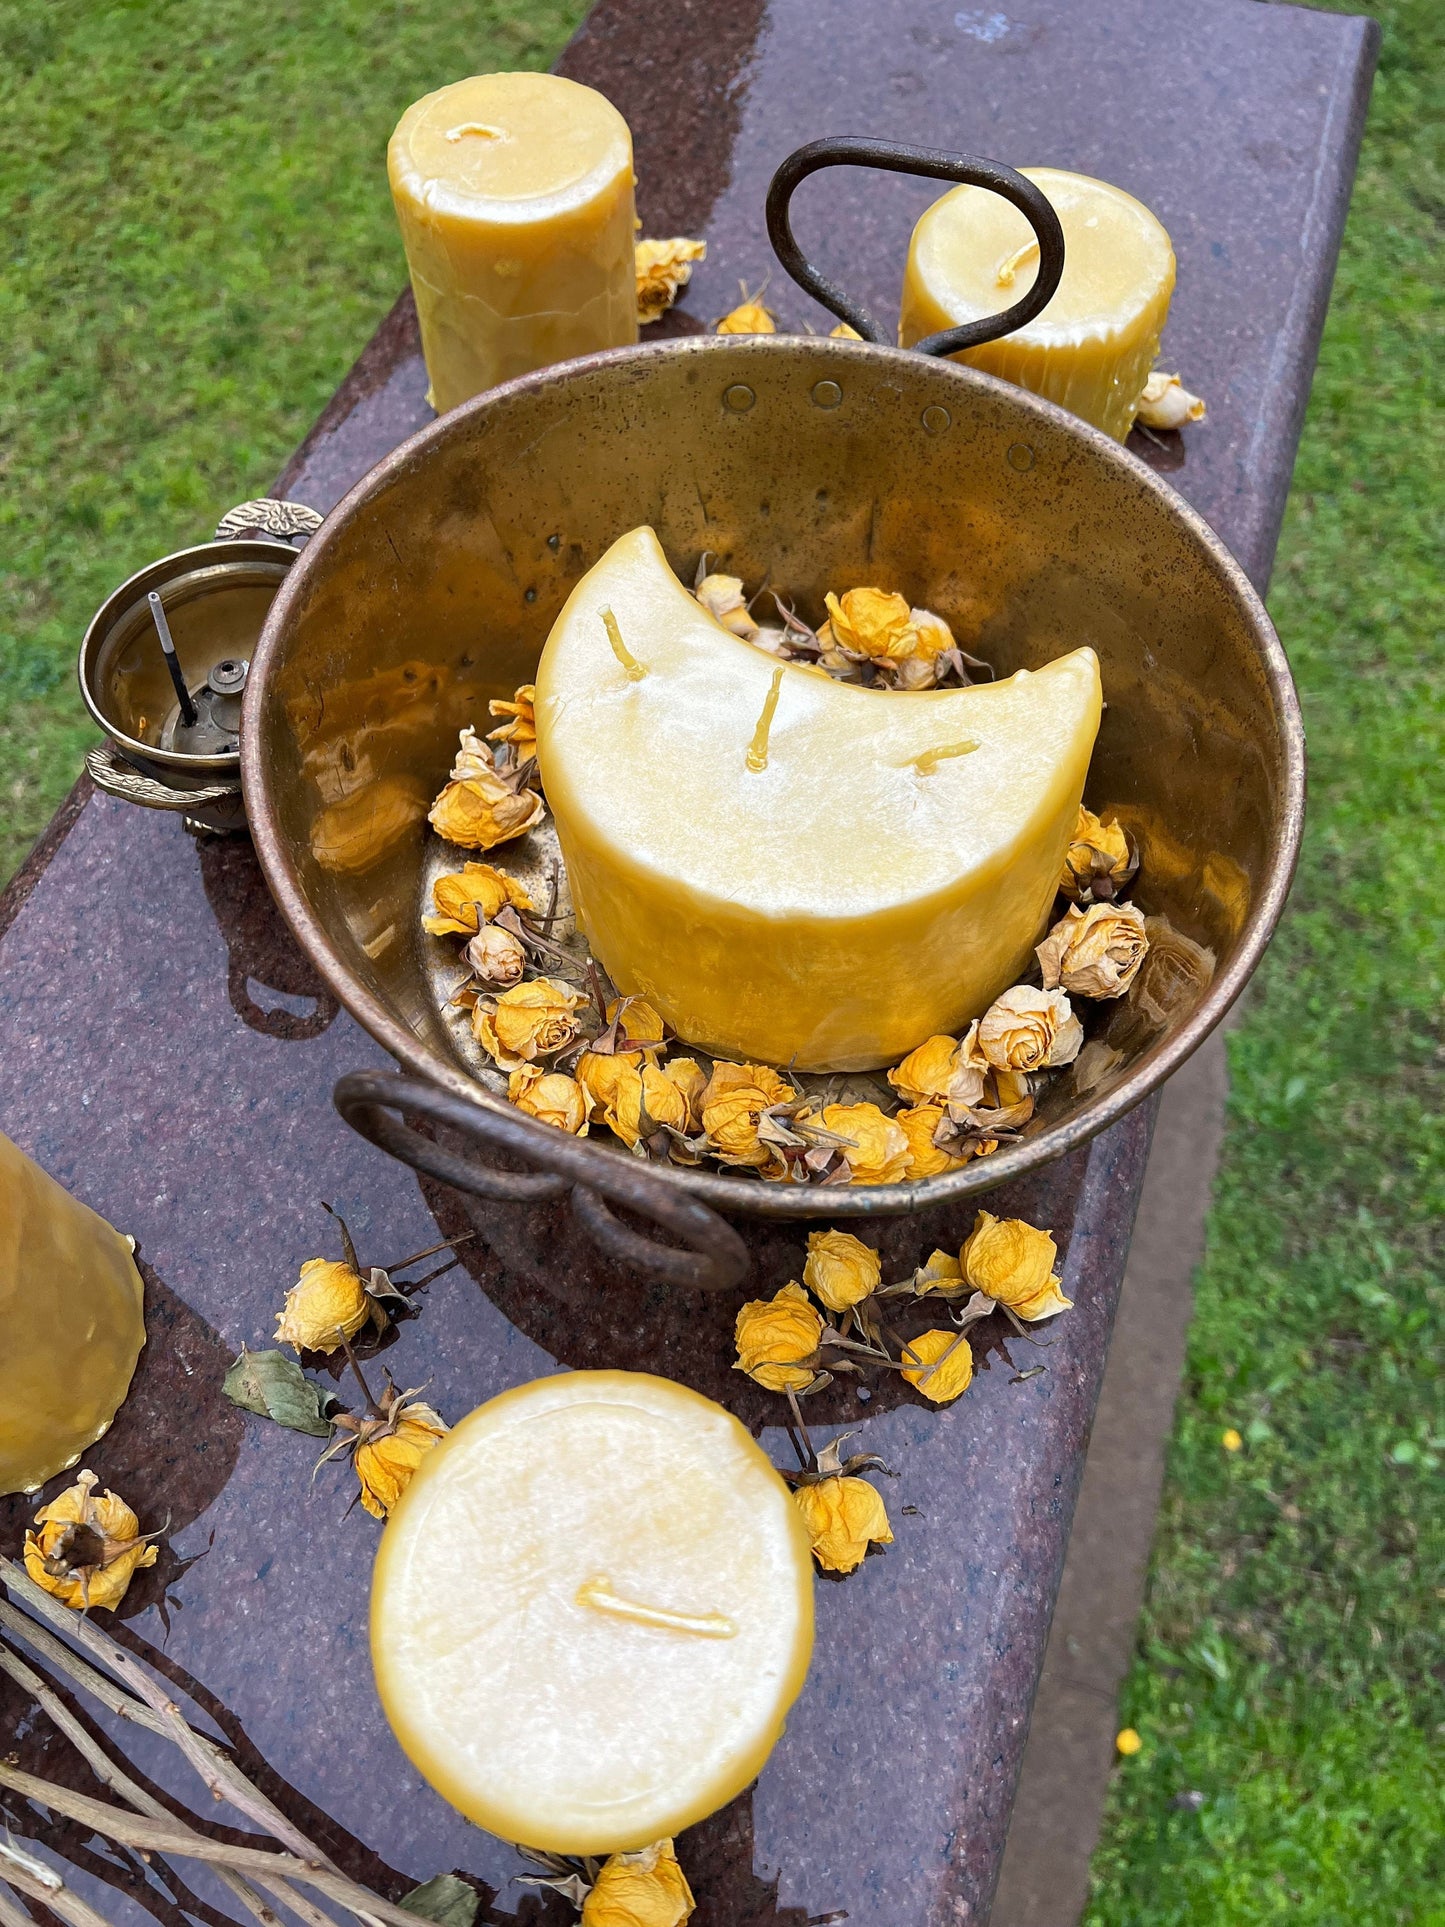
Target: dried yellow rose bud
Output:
{"points": [[496, 957], [844, 1516], [840, 1270], [326, 1306], [726, 602], [1167, 403], [773, 1335], [844, 332], [533, 1020], [749, 318], [926, 1157], [480, 807], [877, 1150], [483, 811], [88, 1549], [357, 831], [940, 1364], [631, 1095], [550, 1095], [943, 1070], [470, 897], [1012, 1261], [733, 1102], [934, 634], [689, 1079], [1095, 952], [869, 622], [1030, 1030], [389, 1450], [1099, 862], [633, 1022], [662, 268], [520, 727], [643, 1889]]}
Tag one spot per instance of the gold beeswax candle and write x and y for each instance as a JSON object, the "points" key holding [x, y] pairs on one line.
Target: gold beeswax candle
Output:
{"points": [[591, 1611], [973, 253], [795, 870], [71, 1326], [514, 195]]}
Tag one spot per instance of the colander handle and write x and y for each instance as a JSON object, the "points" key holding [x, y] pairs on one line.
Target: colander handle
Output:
{"points": [[715, 1259], [849, 150]]}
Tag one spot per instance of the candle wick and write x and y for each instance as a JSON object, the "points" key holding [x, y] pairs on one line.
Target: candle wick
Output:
{"points": [[598, 1594], [758, 748], [929, 761], [635, 670], [1009, 268], [475, 127]]}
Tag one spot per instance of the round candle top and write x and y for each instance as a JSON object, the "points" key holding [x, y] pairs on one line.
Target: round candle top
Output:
{"points": [[591, 1611], [975, 254], [509, 147]]}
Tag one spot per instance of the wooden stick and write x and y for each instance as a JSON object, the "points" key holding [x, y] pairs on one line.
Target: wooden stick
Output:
{"points": [[151, 1836], [112, 1776], [60, 1899], [216, 1768]]}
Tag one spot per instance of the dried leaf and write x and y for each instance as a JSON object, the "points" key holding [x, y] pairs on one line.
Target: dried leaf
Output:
{"points": [[275, 1387], [445, 1899]]}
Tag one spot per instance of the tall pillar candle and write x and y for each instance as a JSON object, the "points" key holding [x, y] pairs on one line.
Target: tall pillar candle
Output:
{"points": [[514, 195], [591, 1611], [973, 253], [71, 1320]]}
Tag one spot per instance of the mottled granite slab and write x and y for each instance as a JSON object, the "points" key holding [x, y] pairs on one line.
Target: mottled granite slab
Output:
{"points": [[166, 1051]]}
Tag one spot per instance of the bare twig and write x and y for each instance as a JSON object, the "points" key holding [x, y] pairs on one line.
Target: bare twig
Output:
{"points": [[112, 1776], [12, 1914], [157, 1712], [173, 1839], [62, 1901]]}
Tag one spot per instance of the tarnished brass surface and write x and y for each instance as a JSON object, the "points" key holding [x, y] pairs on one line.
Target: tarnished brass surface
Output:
{"points": [[820, 464]]}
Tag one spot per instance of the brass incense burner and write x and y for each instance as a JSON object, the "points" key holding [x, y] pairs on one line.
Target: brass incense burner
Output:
{"points": [[818, 463]]}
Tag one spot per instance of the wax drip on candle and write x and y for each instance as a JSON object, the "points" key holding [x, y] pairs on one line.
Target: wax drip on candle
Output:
{"points": [[1020, 256], [598, 1594], [929, 761], [758, 748], [476, 127], [635, 670]]}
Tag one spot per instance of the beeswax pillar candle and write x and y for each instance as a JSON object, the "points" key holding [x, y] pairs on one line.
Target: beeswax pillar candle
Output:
{"points": [[71, 1326], [1093, 346], [591, 1611], [792, 869], [514, 195]]}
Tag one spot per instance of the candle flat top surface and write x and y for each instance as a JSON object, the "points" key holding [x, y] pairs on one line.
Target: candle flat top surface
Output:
{"points": [[591, 1612], [834, 818], [1117, 257], [509, 147]]}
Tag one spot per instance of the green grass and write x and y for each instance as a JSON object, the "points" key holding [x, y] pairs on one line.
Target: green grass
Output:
{"points": [[1289, 1668], [199, 241]]}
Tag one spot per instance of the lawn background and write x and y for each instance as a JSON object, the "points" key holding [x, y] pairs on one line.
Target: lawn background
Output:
{"points": [[160, 354]]}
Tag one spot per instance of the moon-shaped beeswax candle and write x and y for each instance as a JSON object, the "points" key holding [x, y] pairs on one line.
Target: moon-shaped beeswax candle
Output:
{"points": [[793, 869], [591, 1612]]}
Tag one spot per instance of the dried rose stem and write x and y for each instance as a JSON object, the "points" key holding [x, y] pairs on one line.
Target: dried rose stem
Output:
{"points": [[173, 1839], [159, 1713]]}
